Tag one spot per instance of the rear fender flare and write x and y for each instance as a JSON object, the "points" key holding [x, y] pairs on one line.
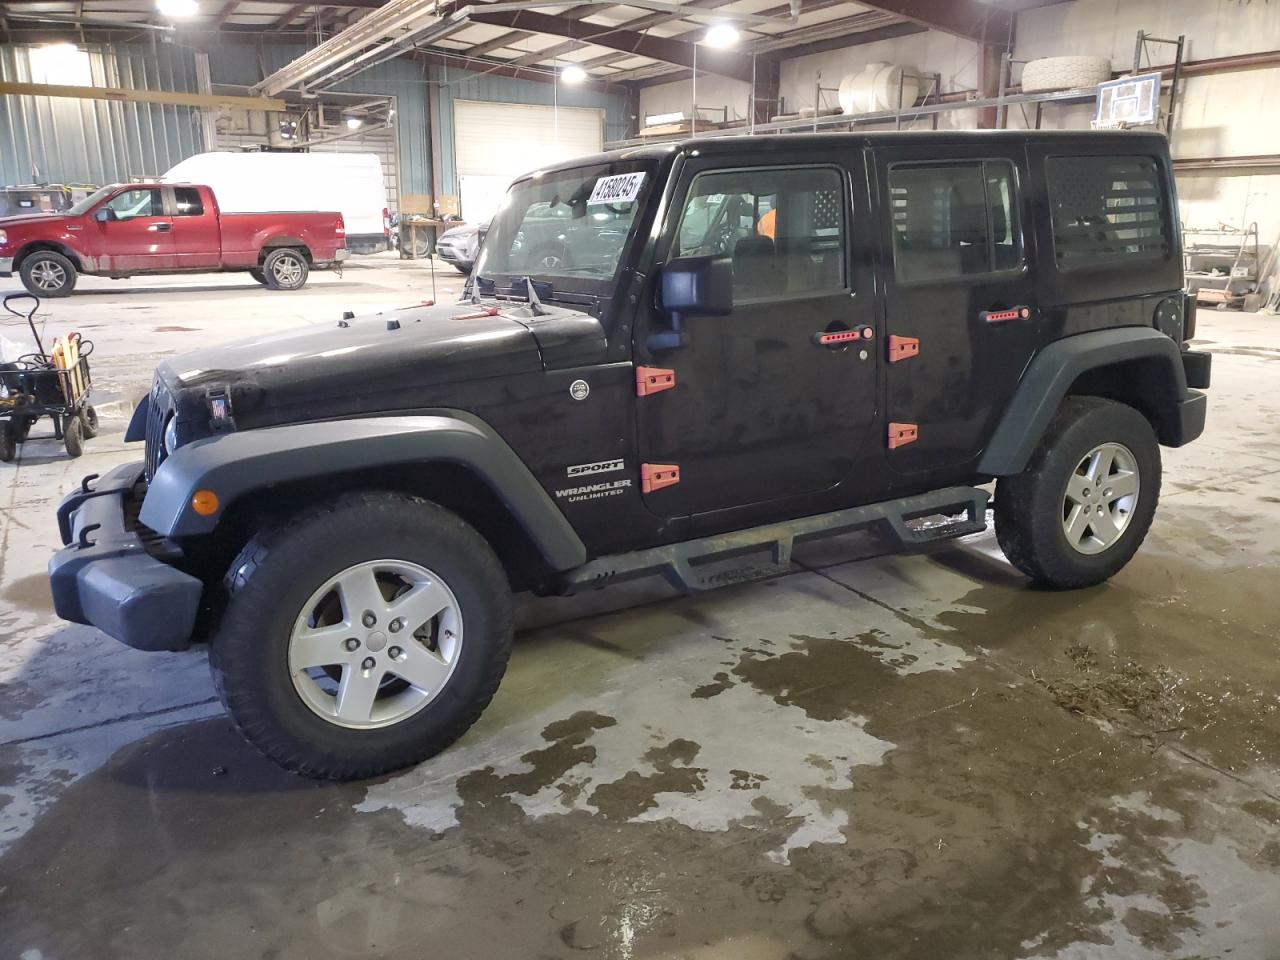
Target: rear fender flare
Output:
{"points": [[233, 465], [1050, 376]]}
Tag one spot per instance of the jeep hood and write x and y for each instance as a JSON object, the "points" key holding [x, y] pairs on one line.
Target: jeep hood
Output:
{"points": [[396, 360]]}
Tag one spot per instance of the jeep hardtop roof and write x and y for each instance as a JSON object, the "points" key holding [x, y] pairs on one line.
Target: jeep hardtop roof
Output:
{"points": [[768, 143]]}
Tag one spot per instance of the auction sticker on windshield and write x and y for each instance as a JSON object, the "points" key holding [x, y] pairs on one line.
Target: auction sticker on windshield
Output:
{"points": [[620, 188]]}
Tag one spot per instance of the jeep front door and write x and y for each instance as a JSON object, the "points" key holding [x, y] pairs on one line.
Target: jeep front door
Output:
{"points": [[773, 401], [960, 299]]}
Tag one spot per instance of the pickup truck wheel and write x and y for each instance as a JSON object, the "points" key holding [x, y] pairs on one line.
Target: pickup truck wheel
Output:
{"points": [[47, 273], [285, 269], [362, 636], [1085, 502], [258, 275]]}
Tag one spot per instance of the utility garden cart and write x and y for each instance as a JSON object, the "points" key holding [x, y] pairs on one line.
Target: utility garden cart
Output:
{"points": [[53, 385]]}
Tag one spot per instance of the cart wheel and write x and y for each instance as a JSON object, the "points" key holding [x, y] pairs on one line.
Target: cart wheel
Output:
{"points": [[89, 421], [73, 435], [8, 442], [21, 428]]}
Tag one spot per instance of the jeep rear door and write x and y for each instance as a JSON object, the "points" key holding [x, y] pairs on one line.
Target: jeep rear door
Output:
{"points": [[960, 297], [762, 409]]}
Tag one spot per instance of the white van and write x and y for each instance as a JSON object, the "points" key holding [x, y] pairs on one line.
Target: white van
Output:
{"points": [[350, 183]]}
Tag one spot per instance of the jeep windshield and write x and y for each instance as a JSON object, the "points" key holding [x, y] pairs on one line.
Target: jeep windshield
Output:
{"points": [[568, 227]]}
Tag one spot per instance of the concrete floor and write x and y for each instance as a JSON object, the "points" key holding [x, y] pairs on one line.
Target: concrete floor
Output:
{"points": [[871, 757]]}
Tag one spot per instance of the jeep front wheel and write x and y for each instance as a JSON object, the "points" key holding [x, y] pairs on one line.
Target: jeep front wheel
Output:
{"points": [[1082, 507], [362, 636]]}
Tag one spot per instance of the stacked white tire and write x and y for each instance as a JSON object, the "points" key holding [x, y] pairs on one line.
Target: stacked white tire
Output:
{"points": [[1064, 73]]}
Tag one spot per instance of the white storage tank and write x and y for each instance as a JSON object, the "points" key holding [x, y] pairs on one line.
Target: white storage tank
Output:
{"points": [[880, 86]]}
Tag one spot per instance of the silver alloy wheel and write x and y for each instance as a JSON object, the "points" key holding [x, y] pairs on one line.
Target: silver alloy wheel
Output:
{"points": [[1100, 498], [287, 270], [48, 275], [375, 644]]}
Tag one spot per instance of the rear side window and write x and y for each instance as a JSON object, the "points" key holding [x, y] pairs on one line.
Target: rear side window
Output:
{"points": [[953, 220], [1106, 211], [187, 201]]}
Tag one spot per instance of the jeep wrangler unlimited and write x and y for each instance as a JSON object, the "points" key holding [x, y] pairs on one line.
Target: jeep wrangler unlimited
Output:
{"points": [[741, 343]]}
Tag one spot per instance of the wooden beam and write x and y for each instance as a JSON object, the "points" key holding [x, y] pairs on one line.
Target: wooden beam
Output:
{"points": [[139, 96], [720, 62], [969, 19]]}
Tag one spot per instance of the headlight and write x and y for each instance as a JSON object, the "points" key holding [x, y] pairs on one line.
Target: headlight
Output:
{"points": [[171, 435]]}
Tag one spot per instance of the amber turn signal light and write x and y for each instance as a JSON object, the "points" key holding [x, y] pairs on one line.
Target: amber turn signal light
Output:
{"points": [[204, 502]]}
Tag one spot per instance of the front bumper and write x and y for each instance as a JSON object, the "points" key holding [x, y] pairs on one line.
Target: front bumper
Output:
{"points": [[6, 266], [105, 576]]}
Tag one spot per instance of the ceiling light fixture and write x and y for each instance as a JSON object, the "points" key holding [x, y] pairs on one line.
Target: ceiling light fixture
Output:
{"points": [[722, 36], [573, 74], [353, 123], [177, 9]]}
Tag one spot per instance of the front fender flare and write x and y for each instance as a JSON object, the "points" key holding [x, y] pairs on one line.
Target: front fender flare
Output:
{"points": [[1050, 375], [235, 464]]}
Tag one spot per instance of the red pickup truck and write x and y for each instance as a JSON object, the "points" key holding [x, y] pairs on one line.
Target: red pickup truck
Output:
{"points": [[134, 228]]}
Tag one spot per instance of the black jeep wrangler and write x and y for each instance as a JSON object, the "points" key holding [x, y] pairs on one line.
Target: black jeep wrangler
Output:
{"points": [[745, 343]]}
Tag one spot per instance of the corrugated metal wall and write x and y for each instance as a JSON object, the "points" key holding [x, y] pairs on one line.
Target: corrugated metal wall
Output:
{"points": [[451, 84], [403, 79], [98, 141]]}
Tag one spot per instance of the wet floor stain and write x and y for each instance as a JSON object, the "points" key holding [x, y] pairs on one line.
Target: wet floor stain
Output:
{"points": [[29, 593]]}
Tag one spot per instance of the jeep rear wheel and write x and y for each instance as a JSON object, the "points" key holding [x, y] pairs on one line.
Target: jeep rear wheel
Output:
{"points": [[362, 636], [1082, 507]]}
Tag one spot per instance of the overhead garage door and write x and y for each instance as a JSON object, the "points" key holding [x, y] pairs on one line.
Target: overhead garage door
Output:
{"points": [[496, 142]]}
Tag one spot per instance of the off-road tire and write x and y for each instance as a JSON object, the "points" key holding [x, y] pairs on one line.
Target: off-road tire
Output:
{"points": [[89, 422], [276, 259], [8, 441], [73, 435], [31, 266], [1064, 73], [1029, 505], [270, 582]]}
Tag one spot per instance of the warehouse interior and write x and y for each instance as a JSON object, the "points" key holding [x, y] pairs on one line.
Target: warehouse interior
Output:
{"points": [[878, 746]]}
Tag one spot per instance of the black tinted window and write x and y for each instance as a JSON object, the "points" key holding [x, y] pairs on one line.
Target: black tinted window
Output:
{"points": [[1106, 211], [784, 229], [953, 219], [187, 200]]}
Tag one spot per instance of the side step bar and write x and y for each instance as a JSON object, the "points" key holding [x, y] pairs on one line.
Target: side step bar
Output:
{"points": [[680, 562]]}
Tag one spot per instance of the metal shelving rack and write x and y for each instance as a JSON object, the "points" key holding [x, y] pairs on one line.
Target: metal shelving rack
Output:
{"points": [[1223, 254]]}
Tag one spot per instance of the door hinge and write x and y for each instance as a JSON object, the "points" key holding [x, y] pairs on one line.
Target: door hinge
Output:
{"points": [[655, 476], [903, 348], [900, 434], [653, 380]]}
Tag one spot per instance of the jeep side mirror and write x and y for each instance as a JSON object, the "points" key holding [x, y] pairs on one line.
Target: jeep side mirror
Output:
{"points": [[691, 286], [697, 286]]}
